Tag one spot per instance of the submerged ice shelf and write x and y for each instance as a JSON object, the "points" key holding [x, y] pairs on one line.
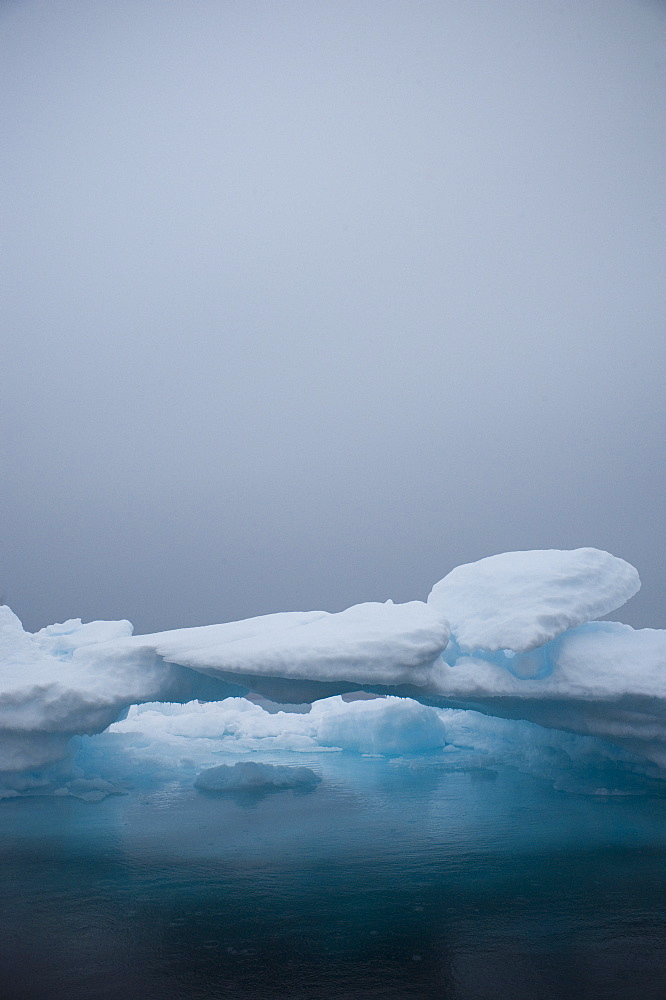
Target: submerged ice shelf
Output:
{"points": [[510, 636]]}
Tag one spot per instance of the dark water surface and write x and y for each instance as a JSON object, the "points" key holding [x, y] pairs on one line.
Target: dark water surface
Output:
{"points": [[386, 882]]}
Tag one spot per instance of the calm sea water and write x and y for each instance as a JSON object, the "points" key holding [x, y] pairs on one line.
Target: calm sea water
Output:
{"points": [[388, 881]]}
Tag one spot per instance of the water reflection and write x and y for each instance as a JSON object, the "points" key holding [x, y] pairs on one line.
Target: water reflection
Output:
{"points": [[400, 883]]}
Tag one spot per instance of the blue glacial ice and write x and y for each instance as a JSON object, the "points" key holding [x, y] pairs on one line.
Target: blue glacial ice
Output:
{"points": [[503, 663], [252, 776]]}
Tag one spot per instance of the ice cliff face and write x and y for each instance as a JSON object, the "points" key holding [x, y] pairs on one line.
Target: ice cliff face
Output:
{"points": [[511, 635]]}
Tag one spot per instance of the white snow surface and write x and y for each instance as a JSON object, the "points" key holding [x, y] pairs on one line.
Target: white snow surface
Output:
{"points": [[368, 643], [61, 640], [73, 679], [521, 600], [522, 645]]}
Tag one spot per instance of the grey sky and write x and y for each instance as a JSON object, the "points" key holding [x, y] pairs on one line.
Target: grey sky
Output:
{"points": [[307, 302]]}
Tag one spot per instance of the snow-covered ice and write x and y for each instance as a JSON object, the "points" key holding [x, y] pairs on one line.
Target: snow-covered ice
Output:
{"points": [[53, 687], [521, 600], [384, 726], [388, 644], [512, 636], [173, 743]]}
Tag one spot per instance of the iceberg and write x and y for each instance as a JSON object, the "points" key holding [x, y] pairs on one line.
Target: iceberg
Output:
{"points": [[184, 739], [387, 726], [250, 776], [512, 636]]}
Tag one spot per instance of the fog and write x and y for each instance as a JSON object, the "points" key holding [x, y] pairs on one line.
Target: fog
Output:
{"points": [[307, 302]]}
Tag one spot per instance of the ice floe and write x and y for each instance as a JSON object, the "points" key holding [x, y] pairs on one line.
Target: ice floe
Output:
{"points": [[512, 636]]}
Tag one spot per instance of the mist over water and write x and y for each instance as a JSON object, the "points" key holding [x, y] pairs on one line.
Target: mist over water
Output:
{"points": [[305, 304]]}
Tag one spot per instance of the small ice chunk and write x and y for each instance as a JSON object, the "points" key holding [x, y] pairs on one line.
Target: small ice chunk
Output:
{"points": [[386, 726], [253, 776], [520, 600], [88, 789]]}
